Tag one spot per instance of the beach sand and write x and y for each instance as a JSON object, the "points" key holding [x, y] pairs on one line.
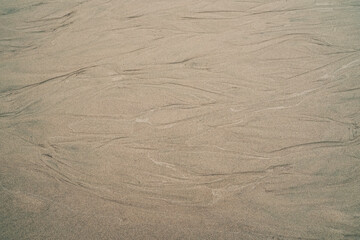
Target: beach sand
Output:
{"points": [[170, 119]]}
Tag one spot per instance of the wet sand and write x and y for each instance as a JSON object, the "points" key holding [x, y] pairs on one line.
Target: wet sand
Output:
{"points": [[179, 119]]}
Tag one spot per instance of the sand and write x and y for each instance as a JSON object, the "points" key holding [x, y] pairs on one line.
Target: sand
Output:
{"points": [[170, 119]]}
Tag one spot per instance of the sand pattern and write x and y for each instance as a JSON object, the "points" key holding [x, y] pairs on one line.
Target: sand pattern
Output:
{"points": [[179, 119]]}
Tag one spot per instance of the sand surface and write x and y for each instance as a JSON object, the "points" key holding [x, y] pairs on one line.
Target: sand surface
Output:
{"points": [[169, 119]]}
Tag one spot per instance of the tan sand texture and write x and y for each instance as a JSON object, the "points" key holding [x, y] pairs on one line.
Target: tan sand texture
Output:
{"points": [[169, 119]]}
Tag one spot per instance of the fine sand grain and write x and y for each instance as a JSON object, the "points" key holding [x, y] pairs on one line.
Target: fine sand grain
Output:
{"points": [[169, 119]]}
